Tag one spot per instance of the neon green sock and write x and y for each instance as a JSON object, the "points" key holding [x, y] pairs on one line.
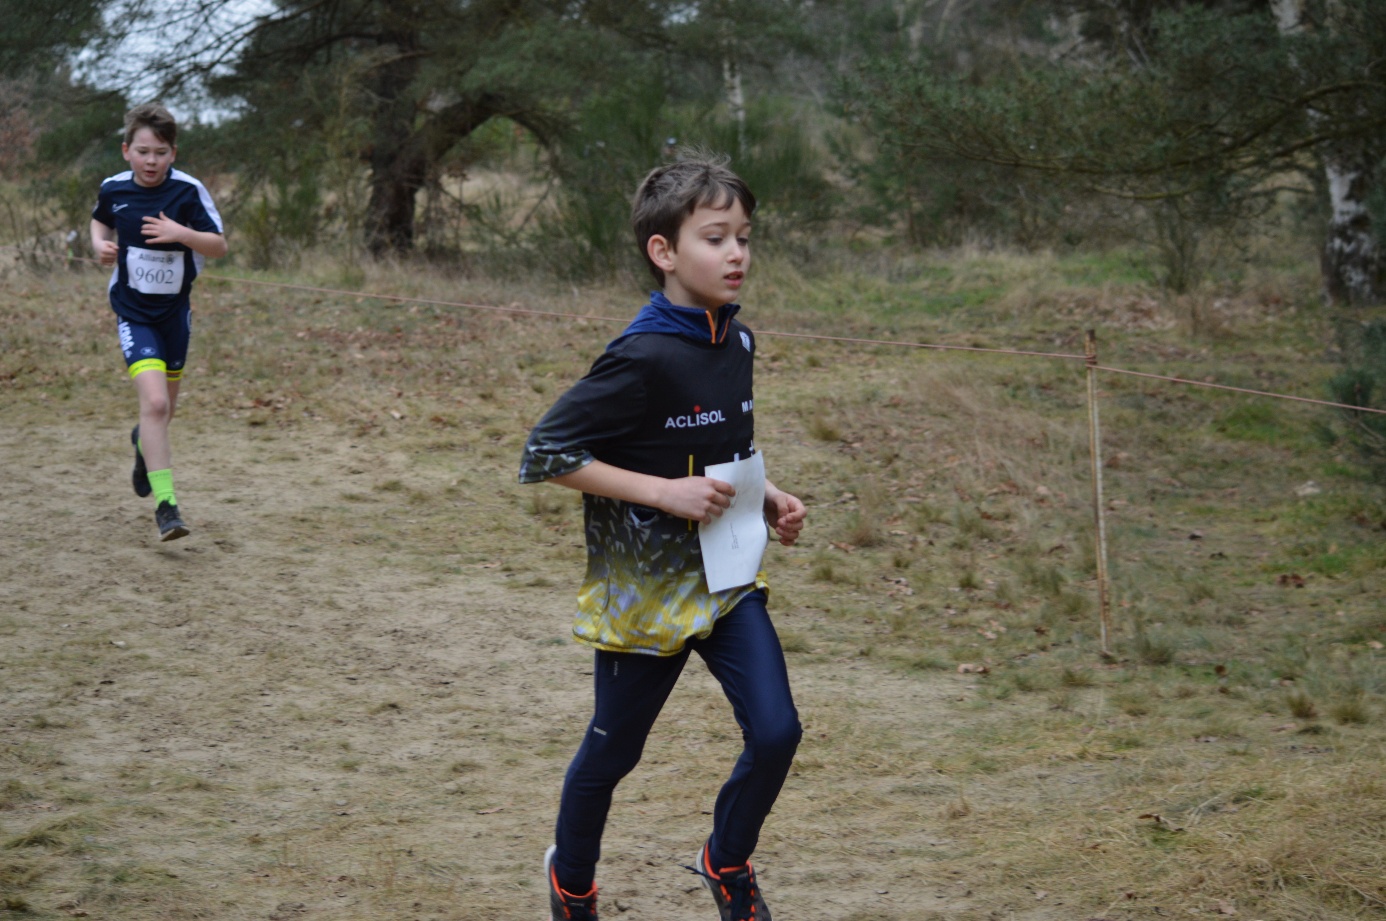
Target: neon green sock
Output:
{"points": [[162, 483]]}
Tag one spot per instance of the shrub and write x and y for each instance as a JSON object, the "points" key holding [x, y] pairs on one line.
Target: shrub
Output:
{"points": [[1362, 384]]}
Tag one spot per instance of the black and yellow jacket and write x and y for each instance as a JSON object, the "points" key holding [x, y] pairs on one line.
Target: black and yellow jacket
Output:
{"points": [[668, 397]]}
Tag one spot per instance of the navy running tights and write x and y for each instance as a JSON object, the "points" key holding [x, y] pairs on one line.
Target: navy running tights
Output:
{"points": [[743, 653]]}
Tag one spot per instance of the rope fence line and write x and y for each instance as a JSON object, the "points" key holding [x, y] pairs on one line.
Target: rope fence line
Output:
{"points": [[918, 345], [560, 315], [1256, 393], [818, 337], [846, 340], [1089, 357], [405, 299]]}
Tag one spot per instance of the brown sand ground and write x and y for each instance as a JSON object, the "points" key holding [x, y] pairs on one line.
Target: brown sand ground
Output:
{"points": [[286, 725], [351, 693]]}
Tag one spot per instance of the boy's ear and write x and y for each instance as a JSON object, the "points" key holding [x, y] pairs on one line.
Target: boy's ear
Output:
{"points": [[661, 252]]}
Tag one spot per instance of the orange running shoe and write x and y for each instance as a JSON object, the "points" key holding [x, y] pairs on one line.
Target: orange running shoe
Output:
{"points": [[734, 889], [563, 905]]}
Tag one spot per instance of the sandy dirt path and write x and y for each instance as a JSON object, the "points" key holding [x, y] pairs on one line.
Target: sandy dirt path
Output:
{"points": [[268, 720]]}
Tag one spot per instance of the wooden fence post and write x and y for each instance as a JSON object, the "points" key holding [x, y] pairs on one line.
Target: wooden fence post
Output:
{"points": [[1104, 595]]}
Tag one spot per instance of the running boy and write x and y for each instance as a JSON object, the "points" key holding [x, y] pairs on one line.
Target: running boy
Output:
{"points": [[156, 226], [667, 398]]}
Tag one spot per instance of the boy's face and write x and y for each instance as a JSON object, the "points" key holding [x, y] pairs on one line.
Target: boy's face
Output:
{"points": [[709, 265], [149, 157]]}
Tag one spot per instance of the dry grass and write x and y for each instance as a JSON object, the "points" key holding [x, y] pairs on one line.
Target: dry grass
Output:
{"points": [[372, 613]]}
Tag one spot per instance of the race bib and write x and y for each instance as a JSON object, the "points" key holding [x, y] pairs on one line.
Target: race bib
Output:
{"points": [[154, 271]]}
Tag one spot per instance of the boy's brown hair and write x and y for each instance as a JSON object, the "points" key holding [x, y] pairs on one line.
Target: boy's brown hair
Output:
{"points": [[670, 193], [156, 118]]}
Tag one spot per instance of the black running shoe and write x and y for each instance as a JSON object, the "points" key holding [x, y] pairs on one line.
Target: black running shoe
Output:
{"points": [[563, 905], [170, 523], [734, 889], [139, 477]]}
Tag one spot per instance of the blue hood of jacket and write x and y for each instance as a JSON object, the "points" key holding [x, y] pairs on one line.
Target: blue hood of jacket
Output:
{"points": [[661, 315]]}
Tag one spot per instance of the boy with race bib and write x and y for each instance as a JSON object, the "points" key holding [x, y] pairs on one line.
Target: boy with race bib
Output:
{"points": [[155, 226]]}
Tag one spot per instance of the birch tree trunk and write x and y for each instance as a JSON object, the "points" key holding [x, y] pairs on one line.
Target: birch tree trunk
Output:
{"points": [[910, 23], [1351, 259], [731, 72], [736, 97]]}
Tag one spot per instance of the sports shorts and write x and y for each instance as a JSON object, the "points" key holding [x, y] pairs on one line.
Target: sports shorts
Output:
{"points": [[161, 346]]}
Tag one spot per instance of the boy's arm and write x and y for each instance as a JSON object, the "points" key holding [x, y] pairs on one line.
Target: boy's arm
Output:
{"points": [[697, 498], [163, 229], [785, 513], [103, 242]]}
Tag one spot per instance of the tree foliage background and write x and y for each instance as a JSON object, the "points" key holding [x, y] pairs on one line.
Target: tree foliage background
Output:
{"points": [[505, 136], [1169, 125]]}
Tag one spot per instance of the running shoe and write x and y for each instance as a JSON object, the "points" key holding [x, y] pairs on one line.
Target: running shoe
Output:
{"points": [[139, 477], [734, 889], [563, 905], [170, 523]]}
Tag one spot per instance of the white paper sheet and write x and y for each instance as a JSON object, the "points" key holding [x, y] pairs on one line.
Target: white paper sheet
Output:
{"points": [[734, 543]]}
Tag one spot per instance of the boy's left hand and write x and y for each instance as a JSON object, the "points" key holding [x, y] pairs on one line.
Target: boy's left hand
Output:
{"points": [[785, 513], [162, 229]]}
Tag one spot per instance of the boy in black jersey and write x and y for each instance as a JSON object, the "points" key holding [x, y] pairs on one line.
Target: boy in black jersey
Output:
{"points": [[156, 226], [669, 397]]}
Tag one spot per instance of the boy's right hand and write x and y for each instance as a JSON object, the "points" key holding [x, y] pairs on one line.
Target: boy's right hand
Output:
{"points": [[697, 498], [106, 251]]}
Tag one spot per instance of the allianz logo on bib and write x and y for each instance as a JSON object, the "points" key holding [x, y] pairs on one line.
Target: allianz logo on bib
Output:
{"points": [[695, 419], [161, 258]]}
